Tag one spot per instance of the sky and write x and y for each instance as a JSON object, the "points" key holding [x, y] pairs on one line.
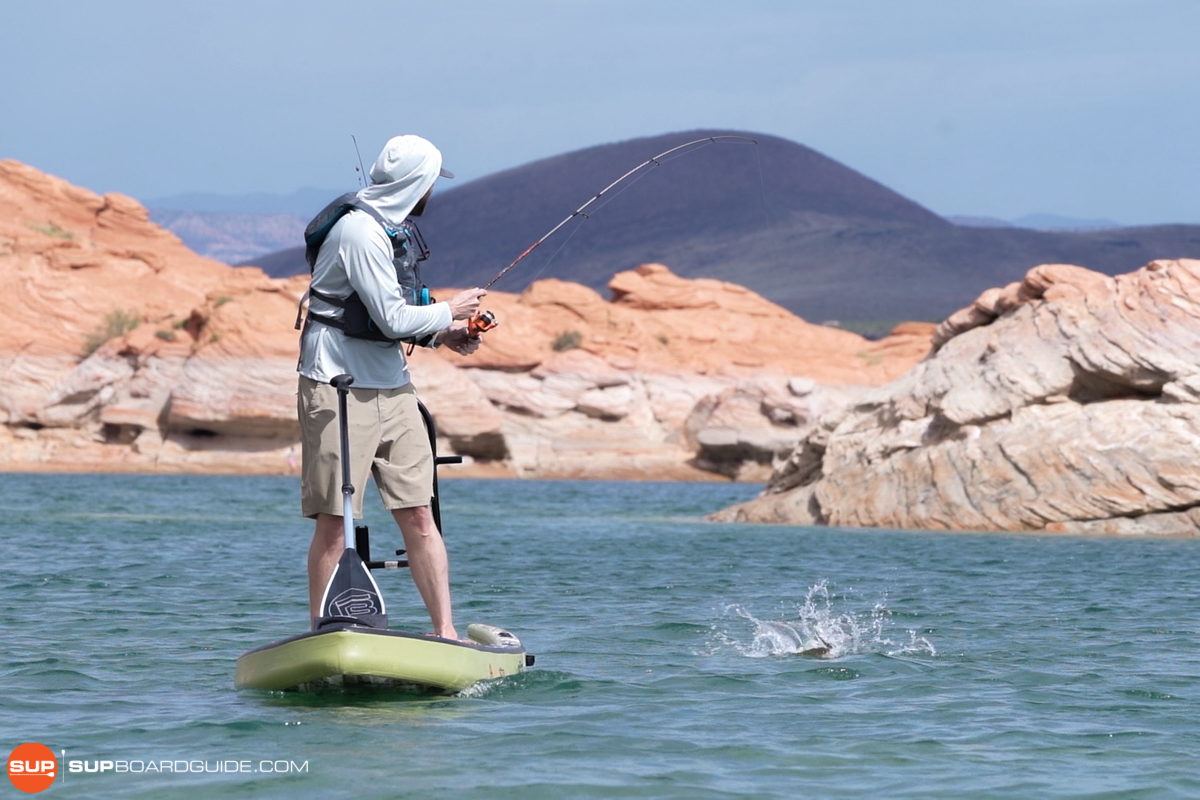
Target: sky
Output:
{"points": [[1083, 108]]}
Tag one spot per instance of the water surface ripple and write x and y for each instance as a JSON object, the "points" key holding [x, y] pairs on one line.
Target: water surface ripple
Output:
{"points": [[676, 659]]}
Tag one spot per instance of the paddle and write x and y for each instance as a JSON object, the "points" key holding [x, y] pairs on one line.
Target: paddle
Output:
{"points": [[351, 594]]}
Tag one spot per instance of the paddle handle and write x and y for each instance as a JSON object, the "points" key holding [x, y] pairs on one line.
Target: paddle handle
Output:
{"points": [[343, 383]]}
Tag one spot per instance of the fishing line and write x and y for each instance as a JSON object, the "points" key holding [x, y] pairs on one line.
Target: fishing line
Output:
{"points": [[620, 192], [554, 255], [655, 160], [588, 215], [763, 184], [632, 183]]}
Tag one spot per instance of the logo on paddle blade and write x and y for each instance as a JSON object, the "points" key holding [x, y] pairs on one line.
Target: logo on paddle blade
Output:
{"points": [[355, 603], [32, 767]]}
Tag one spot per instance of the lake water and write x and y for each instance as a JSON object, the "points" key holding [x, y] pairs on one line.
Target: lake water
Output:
{"points": [[667, 665]]}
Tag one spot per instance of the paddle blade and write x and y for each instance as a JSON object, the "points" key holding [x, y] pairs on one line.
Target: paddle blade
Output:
{"points": [[353, 594]]}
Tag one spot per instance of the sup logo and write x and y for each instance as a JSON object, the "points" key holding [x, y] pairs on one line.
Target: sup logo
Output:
{"points": [[355, 603], [32, 767]]}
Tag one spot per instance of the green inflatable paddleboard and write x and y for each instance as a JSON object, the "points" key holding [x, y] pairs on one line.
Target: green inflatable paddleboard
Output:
{"points": [[350, 655], [352, 644]]}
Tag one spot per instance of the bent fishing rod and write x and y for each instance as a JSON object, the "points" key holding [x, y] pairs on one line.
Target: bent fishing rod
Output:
{"points": [[485, 320]]}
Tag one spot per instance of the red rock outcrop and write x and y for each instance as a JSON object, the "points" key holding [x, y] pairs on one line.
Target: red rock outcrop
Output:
{"points": [[1068, 402], [660, 322], [126, 351]]}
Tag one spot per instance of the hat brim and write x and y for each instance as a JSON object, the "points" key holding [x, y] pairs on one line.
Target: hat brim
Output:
{"points": [[445, 173]]}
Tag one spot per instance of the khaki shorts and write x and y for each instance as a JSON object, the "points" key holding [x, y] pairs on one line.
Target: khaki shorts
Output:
{"points": [[388, 440]]}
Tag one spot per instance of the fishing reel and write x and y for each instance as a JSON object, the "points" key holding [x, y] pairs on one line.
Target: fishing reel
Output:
{"points": [[480, 324]]}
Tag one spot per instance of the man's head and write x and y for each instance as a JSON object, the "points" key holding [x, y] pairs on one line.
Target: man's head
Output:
{"points": [[403, 176], [408, 157]]}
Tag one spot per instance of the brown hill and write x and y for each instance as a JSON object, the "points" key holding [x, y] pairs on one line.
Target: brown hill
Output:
{"points": [[781, 219]]}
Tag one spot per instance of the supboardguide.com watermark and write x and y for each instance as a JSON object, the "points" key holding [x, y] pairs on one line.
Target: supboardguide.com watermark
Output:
{"points": [[34, 767]]}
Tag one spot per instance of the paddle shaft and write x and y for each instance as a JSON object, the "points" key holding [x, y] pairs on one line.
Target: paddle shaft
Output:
{"points": [[343, 383]]}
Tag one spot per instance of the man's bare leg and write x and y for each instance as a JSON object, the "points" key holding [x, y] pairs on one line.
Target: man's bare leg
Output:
{"points": [[429, 565], [328, 542]]}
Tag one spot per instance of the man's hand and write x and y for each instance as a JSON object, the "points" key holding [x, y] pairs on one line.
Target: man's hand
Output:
{"points": [[464, 304], [460, 341]]}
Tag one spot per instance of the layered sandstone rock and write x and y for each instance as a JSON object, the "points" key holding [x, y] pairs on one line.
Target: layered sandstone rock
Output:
{"points": [[659, 322], [1068, 402], [113, 356], [126, 351]]}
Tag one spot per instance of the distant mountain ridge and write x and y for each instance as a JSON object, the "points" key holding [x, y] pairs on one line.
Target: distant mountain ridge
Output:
{"points": [[1057, 222], [1036, 222], [793, 225], [232, 237], [304, 202]]}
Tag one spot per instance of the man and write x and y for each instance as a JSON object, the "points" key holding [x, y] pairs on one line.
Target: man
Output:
{"points": [[387, 436]]}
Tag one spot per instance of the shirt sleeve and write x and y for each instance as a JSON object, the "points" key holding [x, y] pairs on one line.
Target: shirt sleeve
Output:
{"points": [[368, 261]]}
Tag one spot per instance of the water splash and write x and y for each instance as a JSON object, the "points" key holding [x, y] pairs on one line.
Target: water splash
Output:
{"points": [[479, 690], [538, 680], [820, 629]]}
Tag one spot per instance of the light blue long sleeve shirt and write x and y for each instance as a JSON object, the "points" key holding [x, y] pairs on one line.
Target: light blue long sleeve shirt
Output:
{"points": [[357, 256]]}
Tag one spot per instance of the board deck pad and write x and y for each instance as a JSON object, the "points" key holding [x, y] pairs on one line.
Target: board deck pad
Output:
{"points": [[352, 592]]}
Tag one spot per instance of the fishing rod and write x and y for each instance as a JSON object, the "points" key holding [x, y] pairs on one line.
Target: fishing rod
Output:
{"points": [[362, 173], [485, 320]]}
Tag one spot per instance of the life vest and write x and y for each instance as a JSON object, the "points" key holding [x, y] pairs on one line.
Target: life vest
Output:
{"points": [[408, 251]]}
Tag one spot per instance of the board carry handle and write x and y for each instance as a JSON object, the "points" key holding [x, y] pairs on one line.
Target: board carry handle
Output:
{"points": [[362, 544]]}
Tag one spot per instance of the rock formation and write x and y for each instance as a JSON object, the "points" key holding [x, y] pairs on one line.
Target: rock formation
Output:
{"points": [[123, 350], [1067, 402]]}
